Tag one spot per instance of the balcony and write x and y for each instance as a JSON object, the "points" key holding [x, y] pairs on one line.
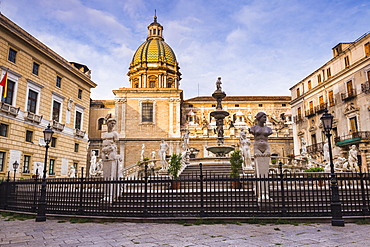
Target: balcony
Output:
{"points": [[30, 116], [8, 109], [348, 95], [310, 113], [58, 126], [353, 138], [80, 133], [321, 107], [365, 87], [315, 148], [298, 119]]}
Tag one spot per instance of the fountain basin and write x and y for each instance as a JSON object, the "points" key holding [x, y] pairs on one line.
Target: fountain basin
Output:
{"points": [[220, 151], [219, 114]]}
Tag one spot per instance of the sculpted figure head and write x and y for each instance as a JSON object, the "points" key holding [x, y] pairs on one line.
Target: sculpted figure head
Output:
{"points": [[110, 123], [261, 118]]}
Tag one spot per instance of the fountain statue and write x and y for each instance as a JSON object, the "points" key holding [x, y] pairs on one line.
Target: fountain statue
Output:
{"points": [[220, 150], [261, 151]]}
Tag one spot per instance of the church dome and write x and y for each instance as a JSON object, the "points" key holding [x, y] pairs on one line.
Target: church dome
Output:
{"points": [[154, 63], [154, 51]]}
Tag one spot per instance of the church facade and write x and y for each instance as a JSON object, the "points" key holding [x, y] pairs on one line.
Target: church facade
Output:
{"points": [[153, 108]]}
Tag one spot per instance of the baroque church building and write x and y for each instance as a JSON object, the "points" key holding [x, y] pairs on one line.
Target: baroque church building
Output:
{"points": [[153, 109]]}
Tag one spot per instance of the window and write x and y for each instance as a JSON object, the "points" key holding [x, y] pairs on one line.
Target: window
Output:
{"points": [[283, 105], [4, 129], [2, 160], [29, 136], [367, 49], [299, 111], [346, 61], [76, 147], [79, 94], [236, 105], [353, 123], [147, 112], [136, 85], [100, 123], [260, 105], [313, 139], [350, 88], [190, 106], [169, 85], [26, 163], [213, 105], [152, 84], [32, 101], [328, 73], [319, 78], [53, 142], [298, 92], [321, 101], [309, 85], [35, 68], [331, 98], [368, 76], [56, 111], [311, 106], [9, 94], [12, 55], [78, 120], [58, 82], [51, 167]]}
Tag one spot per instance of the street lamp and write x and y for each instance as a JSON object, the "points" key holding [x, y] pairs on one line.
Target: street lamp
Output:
{"points": [[15, 167], [41, 211], [335, 205]]}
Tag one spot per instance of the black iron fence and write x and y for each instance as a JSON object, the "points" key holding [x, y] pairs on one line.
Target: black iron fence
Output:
{"points": [[198, 195]]}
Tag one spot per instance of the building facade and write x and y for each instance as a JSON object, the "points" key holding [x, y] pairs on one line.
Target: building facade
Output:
{"points": [[152, 109], [42, 88], [342, 87]]}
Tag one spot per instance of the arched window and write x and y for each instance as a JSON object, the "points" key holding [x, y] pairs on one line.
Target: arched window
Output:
{"points": [[100, 123]]}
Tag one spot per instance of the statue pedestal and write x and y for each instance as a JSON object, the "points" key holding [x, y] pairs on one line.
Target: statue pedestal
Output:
{"points": [[110, 171], [262, 171]]}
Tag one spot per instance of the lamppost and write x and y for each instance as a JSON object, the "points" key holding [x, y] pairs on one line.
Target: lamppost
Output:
{"points": [[41, 211], [335, 205], [15, 167]]}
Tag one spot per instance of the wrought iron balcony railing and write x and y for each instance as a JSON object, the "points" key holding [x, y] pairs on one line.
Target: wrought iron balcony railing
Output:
{"points": [[314, 148], [365, 87], [348, 95], [352, 138], [310, 113], [298, 118], [321, 107]]}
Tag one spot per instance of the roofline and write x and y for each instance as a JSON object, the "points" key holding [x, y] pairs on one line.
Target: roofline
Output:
{"points": [[28, 38], [322, 66], [242, 98]]}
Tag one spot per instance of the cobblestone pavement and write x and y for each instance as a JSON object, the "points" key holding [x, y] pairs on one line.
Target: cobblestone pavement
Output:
{"points": [[60, 233]]}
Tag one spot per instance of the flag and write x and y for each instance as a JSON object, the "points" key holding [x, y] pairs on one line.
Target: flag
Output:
{"points": [[4, 83]]}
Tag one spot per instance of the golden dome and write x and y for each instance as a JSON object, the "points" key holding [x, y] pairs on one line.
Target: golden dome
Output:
{"points": [[154, 51], [154, 63]]}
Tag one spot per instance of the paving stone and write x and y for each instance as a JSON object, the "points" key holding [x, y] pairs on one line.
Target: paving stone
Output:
{"points": [[52, 233]]}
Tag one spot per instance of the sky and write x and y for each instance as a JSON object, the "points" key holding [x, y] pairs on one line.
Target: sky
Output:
{"points": [[257, 47]]}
